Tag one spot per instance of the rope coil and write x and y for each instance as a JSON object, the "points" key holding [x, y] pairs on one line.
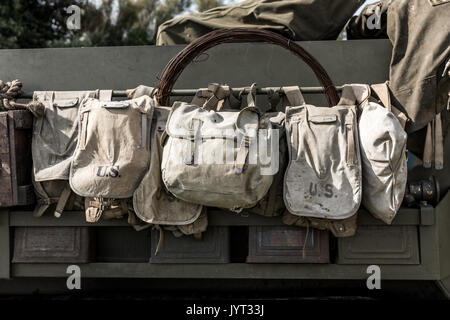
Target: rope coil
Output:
{"points": [[12, 90]]}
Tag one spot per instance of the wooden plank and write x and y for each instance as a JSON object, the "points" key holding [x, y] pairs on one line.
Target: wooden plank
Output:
{"points": [[15, 157], [224, 271], [6, 186]]}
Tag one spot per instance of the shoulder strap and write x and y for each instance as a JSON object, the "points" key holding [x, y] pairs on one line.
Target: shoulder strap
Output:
{"points": [[200, 97], [219, 94], [251, 97], [293, 95], [105, 95], [382, 91], [354, 94]]}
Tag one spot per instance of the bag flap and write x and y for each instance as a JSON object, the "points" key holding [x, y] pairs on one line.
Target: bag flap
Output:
{"points": [[64, 99], [144, 104], [114, 104], [322, 118], [225, 124], [67, 103]]}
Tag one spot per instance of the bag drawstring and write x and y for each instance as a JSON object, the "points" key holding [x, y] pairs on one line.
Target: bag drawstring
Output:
{"points": [[306, 239], [161, 238]]}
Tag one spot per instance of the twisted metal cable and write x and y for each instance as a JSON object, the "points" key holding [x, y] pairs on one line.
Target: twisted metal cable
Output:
{"points": [[176, 65]]}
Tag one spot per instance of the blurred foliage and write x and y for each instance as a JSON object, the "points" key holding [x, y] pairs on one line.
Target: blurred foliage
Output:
{"points": [[203, 5], [42, 23]]}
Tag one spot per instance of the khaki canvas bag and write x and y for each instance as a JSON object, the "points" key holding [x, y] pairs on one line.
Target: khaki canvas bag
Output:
{"points": [[112, 154], [151, 201], [272, 203], [55, 136], [383, 150], [323, 177], [209, 156]]}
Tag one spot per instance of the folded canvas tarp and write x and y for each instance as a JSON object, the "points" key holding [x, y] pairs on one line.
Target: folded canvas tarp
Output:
{"points": [[297, 20], [419, 31]]}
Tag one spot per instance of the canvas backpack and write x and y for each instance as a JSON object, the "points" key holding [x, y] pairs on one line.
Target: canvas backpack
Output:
{"points": [[55, 136], [383, 150], [323, 177], [151, 202], [210, 157], [272, 204], [112, 154]]}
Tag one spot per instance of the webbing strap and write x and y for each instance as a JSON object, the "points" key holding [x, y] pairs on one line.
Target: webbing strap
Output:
{"points": [[63, 198], [105, 95], [438, 143], [242, 155], [83, 133], [348, 97], [251, 97], [294, 144], [219, 93], [161, 238], [200, 97], [306, 239], [350, 142], [428, 148], [144, 128], [434, 144], [294, 96], [382, 91]]}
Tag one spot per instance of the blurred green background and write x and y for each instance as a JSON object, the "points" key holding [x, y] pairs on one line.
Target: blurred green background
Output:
{"points": [[42, 23]]}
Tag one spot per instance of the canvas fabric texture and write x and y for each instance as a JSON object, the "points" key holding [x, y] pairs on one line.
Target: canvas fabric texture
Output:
{"points": [[323, 177], [54, 139], [113, 151], [210, 157], [340, 228], [112, 156], [297, 20], [383, 149], [152, 203], [272, 203], [419, 31]]}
